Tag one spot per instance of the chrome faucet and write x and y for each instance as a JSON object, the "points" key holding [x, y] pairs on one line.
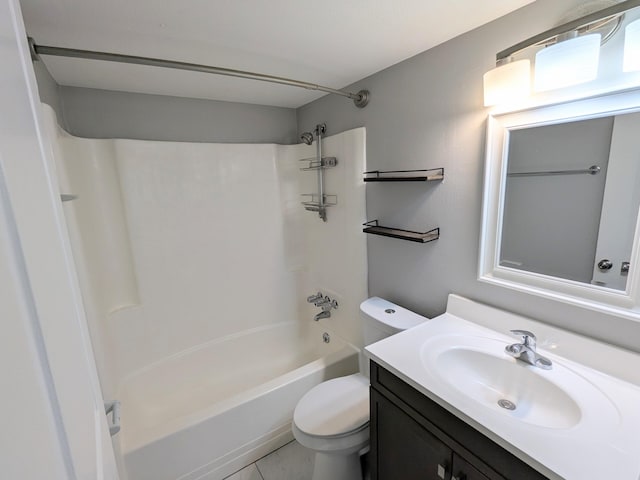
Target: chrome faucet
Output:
{"points": [[322, 314], [323, 302], [526, 351]]}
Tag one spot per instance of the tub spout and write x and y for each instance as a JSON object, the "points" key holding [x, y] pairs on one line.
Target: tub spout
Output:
{"points": [[322, 314]]}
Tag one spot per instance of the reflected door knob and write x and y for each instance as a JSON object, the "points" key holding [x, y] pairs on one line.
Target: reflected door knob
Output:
{"points": [[605, 264]]}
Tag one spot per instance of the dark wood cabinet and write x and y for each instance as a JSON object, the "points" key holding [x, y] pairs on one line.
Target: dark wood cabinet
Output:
{"points": [[414, 438], [463, 470], [411, 452]]}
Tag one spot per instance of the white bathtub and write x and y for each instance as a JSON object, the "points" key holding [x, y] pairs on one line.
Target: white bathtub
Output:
{"points": [[207, 412]]}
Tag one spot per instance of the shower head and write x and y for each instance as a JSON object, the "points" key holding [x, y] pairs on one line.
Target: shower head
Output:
{"points": [[307, 137]]}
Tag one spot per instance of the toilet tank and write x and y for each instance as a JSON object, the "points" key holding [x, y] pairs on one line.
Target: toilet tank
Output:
{"points": [[381, 319]]}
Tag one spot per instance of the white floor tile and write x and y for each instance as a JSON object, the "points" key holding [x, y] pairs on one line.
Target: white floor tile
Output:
{"points": [[291, 462], [247, 473]]}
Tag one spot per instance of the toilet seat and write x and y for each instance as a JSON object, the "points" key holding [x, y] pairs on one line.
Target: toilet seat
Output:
{"points": [[335, 408]]}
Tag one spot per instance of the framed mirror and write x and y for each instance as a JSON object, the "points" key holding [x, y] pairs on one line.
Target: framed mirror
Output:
{"points": [[561, 201]]}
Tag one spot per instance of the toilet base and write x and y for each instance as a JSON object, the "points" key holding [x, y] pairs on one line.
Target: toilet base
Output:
{"points": [[334, 466]]}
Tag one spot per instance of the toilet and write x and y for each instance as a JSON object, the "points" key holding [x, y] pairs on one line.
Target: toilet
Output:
{"points": [[333, 417]]}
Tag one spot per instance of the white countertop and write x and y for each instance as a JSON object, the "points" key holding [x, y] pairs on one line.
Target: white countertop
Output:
{"points": [[604, 442]]}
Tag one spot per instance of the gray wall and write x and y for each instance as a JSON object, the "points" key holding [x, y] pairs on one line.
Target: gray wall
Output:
{"points": [[109, 114], [92, 113], [427, 112]]}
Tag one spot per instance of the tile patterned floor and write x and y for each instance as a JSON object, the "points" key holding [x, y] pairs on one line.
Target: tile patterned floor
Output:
{"points": [[291, 462]]}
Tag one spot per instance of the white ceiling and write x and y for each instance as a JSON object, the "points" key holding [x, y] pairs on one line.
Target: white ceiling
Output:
{"points": [[333, 42]]}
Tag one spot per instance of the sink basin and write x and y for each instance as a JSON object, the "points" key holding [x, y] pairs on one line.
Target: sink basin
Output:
{"points": [[509, 386], [478, 369]]}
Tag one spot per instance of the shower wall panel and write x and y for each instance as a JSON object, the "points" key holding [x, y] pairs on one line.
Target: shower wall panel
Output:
{"points": [[206, 231], [334, 253], [215, 240]]}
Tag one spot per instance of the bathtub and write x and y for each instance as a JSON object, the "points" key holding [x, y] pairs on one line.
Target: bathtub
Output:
{"points": [[208, 412]]}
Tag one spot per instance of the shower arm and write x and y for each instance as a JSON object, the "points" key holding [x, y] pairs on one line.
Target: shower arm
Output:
{"points": [[360, 99]]}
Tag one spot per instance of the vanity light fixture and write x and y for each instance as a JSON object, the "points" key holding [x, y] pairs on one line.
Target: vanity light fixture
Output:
{"points": [[632, 47], [508, 81], [567, 63], [568, 54]]}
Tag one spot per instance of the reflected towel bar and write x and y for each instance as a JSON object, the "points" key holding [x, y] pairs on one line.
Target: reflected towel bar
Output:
{"points": [[592, 170]]}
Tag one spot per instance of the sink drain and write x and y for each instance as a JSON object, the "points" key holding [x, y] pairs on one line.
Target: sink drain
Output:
{"points": [[506, 404]]}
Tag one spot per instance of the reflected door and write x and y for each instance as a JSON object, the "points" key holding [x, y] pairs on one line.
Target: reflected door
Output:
{"points": [[620, 205]]}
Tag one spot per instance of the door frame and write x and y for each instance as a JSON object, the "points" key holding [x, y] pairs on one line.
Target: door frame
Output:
{"points": [[46, 343]]}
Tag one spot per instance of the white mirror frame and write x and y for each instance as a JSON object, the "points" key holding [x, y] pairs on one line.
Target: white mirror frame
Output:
{"points": [[614, 302]]}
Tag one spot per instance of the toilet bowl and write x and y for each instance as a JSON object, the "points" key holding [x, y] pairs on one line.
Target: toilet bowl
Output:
{"points": [[333, 420], [333, 417]]}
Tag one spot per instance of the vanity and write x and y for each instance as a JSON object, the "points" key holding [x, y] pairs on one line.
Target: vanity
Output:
{"points": [[448, 402], [414, 437]]}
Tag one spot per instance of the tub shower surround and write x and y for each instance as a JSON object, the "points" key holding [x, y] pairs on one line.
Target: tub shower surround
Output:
{"points": [[195, 262]]}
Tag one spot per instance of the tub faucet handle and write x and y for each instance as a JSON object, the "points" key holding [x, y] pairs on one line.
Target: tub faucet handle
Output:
{"points": [[315, 298]]}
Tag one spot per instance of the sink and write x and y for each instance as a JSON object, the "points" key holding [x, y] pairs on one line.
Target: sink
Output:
{"points": [[478, 368], [506, 385]]}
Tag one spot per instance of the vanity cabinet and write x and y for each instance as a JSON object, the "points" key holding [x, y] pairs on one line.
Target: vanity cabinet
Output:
{"points": [[414, 438]]}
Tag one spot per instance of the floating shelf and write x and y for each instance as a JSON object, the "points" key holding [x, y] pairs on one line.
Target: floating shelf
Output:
{"points": [[314, 164], [428, 175], [419, 237]]}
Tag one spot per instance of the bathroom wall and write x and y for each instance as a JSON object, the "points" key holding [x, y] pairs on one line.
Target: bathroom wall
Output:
{"points": [[109, 114], [428, 112], [333, 252], [93, 113]]}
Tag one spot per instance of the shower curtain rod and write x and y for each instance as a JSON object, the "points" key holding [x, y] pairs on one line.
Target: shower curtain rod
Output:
{"points": [[360, 99]]}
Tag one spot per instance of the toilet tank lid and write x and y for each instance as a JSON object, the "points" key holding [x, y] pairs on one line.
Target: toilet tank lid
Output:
{"points": [[390, 314]]}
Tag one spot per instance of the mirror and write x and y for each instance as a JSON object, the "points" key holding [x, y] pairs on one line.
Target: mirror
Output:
{"points": [[571, 199], [561, 201]]}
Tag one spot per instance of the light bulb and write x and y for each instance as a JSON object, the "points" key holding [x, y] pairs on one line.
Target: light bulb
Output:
{"points": [[567, 63], [507, 82]]}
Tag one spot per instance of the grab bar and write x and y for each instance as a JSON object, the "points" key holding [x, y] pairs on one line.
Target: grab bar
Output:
{"points": [[592, 170]]}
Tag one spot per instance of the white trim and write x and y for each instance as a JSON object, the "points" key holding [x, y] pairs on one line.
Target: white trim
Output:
{"points": [[619, 303], [44, 277]]}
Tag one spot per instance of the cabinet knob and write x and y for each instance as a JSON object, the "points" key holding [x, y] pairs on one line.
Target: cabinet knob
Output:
{"points": [[442, 471]]}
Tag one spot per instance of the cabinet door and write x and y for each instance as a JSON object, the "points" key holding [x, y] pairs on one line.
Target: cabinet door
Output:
{"points": [[402, 448], [463, 470]]}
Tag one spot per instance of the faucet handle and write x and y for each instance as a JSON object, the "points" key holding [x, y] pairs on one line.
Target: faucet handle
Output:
{"points": [[528, 338], [315, 298]]}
